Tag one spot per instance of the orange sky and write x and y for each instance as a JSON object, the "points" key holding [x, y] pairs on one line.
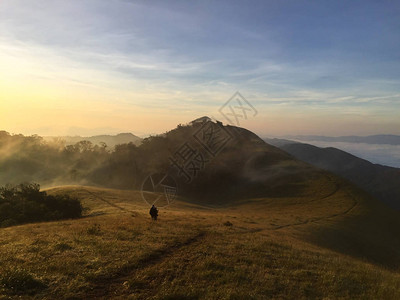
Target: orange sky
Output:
{"points": [[86, 68]]}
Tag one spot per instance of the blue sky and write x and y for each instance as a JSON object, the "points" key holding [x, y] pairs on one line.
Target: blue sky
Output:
{"points": [[308, 67]]}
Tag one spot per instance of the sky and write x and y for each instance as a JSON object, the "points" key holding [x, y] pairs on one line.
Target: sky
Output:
{"points": [[83, 67]]}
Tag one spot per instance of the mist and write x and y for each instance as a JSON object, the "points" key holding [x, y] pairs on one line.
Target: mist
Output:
{"points": [[383, 154], [52, 163]]}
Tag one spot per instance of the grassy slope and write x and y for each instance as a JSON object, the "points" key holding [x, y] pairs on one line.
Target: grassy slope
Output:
{"points": [[329, 242]]}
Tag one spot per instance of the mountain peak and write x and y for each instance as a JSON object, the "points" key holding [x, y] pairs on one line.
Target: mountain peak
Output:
{"points": [[201, 120]]}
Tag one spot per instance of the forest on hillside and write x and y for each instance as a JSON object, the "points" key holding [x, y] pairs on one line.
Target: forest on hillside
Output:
{"points": [[51, 163], [224, 162], [31, 158]]}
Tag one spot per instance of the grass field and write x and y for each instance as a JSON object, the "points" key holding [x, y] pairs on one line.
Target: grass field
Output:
{"points": [[329, 242]]}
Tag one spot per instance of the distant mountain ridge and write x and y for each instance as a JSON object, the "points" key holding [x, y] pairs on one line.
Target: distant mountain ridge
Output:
{"points": [[110, 140], [380, 181], [371, 139]]}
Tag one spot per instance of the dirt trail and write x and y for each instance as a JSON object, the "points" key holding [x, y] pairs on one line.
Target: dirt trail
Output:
{"points": [[313, 220], [106, 201], [105, 286]]}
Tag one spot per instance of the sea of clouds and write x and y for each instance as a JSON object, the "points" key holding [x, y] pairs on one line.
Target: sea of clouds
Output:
{"points": [[383, 154]]}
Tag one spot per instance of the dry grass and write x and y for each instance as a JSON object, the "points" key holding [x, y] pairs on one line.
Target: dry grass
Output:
{"points": [[255, 249]]}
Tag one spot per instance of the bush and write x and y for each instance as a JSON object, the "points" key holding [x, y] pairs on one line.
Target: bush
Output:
{"points": [[25, 203]]}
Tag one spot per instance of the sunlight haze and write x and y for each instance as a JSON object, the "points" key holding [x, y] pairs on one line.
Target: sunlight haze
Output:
{"points": [[91, 67]]}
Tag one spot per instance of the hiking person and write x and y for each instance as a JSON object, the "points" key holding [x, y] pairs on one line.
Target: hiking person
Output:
{"points": [[154, 212]]}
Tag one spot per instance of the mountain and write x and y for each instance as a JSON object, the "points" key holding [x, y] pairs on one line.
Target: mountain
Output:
{"points": [[250, 221], [110, 140], [381, 139], [380, 181], [212, 163]]}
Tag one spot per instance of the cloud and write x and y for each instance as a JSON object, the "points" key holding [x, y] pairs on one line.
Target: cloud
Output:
{"points": [[176, 56], [388, 155]]}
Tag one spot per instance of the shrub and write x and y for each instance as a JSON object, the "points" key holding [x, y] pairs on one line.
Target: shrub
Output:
{"points": [[25, 203]]}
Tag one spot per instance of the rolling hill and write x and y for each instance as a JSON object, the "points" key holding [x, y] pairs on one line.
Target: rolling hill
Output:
{"points": [[330, 242], [380, 181], [252, 223]]}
